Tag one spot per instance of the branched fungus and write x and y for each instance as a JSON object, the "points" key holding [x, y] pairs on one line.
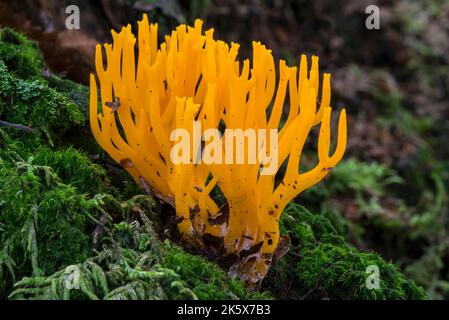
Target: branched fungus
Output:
{"points": [[193, 78]]}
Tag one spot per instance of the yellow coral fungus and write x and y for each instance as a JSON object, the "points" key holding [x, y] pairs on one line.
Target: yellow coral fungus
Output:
{"points": [[191, 76]]}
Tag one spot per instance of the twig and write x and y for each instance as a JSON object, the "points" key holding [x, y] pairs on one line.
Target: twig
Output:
{"points": [[17, 126]]}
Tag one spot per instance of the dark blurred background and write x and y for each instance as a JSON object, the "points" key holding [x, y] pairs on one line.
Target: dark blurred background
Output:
{"points": [[390, 192]]}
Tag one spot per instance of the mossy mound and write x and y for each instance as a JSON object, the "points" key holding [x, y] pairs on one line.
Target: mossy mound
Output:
{"points": [[34, 104], [44, 222], [135, 264], [56, 109], [75, 168], [320, 264], [20, 54]]}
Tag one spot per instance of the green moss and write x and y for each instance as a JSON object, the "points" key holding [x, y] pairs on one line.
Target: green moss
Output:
{"points": [[64, 217], [410, 217], [78, 136], [206, 278], [152, 270], [78, 93], [75, 168], [321, 264], [19, 54], [45, 223], [341, 272]]}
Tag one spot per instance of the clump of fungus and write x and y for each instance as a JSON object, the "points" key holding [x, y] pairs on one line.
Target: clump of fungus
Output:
{"points": [[192, 76]]}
